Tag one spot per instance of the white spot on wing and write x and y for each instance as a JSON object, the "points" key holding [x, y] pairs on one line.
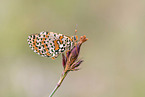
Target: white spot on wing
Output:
{"points": [[61, 45]]}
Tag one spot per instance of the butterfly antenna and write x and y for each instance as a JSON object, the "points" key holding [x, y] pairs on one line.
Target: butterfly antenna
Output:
{"points": [[76, 29]]}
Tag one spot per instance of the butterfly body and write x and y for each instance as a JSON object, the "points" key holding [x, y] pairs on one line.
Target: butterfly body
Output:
{"points": [[50, 44]]}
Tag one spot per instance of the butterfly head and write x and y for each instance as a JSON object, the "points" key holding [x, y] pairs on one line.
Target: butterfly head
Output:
{"points": [[74, 38]]}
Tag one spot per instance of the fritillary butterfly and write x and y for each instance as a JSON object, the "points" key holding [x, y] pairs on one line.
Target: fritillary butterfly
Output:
{"points": [[50, 44]]}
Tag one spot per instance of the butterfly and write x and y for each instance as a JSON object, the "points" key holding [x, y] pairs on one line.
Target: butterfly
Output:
{"points": [[50, 44]]}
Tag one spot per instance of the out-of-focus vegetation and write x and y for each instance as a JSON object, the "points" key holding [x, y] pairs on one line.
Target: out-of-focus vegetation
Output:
{"points": [[114, 55]]}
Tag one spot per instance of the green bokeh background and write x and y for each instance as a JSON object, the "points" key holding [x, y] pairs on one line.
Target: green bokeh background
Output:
{"points": [[114, 55]]}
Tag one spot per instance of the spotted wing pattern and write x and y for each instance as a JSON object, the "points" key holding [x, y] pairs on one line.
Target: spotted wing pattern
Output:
{"points": [[50, 44]]}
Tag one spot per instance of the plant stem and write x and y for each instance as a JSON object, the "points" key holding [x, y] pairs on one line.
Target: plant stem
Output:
{"points": [[59, 83]]}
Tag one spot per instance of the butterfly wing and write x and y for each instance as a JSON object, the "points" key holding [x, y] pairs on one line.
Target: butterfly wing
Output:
{"points": [[49, 44]]}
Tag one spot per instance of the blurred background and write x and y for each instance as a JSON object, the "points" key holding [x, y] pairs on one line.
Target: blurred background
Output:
{"points": [[114, 55]]}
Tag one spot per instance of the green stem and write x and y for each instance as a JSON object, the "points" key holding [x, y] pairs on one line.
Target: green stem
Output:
{"points": [[59, 83]]}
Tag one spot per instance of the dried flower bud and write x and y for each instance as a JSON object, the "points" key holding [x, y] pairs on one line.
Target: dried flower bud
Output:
{"points": [[70, 61], [74, 54]]}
